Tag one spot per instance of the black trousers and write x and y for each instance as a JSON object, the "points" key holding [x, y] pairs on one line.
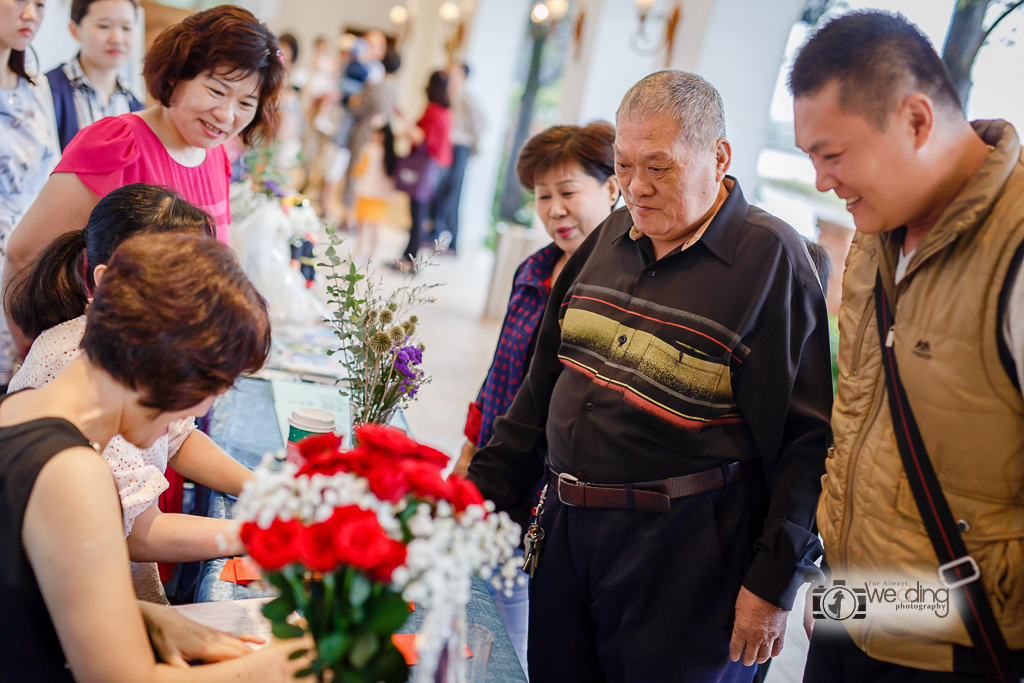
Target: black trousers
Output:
{"points": [[643, 597], [418, 212], [833, 657], [445, 207]]}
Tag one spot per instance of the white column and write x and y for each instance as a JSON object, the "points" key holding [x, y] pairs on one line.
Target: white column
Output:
{"points": [[496, 41]]}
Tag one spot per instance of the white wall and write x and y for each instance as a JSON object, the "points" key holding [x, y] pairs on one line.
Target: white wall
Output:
{"points": [[495, 44], [741, 52], [307, 19]]}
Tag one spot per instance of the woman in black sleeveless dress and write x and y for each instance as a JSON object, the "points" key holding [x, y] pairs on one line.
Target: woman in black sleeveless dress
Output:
{"points": [[173, 323]]}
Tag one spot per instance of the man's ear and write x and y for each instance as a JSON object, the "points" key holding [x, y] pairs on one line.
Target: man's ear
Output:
{"points": [[97, 274], [73, 27], [723, 158], [917, 114], [611, 186]]}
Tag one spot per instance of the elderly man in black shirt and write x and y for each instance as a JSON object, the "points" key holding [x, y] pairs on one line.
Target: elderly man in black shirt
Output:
{"points": [[677, 406]]}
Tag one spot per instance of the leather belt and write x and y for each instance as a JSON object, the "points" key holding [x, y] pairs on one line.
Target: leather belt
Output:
{"points": [[649, 496]]}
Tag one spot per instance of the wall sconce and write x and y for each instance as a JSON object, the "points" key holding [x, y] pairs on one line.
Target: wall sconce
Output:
{"points": [[645, 44], [398, 15], [449, 11]]}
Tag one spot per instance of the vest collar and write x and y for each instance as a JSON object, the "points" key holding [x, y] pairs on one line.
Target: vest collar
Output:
{"points": [[968, 211]]}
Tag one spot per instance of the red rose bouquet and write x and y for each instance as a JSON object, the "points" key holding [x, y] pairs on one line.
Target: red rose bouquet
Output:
{"points": [[352, 535]]}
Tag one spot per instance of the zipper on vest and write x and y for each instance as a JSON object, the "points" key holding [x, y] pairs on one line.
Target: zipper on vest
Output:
{"points": [[876, 406], [866, 318], [889, 338]]}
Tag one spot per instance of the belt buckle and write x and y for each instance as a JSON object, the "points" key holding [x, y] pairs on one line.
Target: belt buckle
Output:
{"points": [[566, 478], [966, 559]]}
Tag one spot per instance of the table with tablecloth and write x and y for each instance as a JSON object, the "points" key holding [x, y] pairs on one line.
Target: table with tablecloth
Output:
{"points": [[244, 423]]}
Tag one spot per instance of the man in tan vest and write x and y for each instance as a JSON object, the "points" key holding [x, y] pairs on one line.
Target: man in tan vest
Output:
{"points": [[939, 207]]}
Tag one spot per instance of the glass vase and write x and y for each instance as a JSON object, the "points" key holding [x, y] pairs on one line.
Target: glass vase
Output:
{"points": [[442, 646]]}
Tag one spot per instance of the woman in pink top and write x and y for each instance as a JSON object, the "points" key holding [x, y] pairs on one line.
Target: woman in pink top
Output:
{"points": [[215, 75]]}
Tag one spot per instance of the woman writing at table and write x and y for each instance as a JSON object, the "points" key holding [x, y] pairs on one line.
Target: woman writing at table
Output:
{"points": [[214, 76], [49, 301], [173, 323]]}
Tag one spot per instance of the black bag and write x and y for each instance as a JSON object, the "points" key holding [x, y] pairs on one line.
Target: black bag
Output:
{"points": [[958, 571]]}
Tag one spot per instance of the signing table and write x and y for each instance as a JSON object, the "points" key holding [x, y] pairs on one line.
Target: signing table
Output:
{"points": [[244, 423]]}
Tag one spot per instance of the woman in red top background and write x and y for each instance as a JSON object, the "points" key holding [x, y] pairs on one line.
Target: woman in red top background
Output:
{"points": [[432, 130], [214, 76]]}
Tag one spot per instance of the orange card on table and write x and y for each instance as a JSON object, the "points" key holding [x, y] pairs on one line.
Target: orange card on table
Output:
{"points": [[228, 573], [406, 644], [244, 571]]}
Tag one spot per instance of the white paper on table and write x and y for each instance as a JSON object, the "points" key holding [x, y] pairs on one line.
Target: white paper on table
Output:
{"points": [[233, 616]]}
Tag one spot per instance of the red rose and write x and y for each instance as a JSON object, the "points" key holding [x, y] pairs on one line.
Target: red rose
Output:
{"points": [[432, 455], [275, 547], [425, 479], [316, 546], [318, 443], [361, 542], [387, 481], [395, 558], [465, 493], [386, 440], [331, 462]]}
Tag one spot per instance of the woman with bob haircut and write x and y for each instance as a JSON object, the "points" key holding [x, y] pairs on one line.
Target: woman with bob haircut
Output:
{"points": [[571, 171], [173, 323], [215, 75], [48, 301]]}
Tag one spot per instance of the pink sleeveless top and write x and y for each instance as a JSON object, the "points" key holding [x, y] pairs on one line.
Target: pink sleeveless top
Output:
{"points": [[120, 150]]}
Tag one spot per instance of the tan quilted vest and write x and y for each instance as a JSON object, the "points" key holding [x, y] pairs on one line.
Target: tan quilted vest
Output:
{"points": [[970, 414]]}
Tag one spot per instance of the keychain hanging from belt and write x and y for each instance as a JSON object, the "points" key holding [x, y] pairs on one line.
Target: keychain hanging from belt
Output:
{"points": [[534, 537]]}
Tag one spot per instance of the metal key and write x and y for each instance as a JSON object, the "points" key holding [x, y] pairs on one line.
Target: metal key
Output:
{"points": [[532, 541], [534, 537]]}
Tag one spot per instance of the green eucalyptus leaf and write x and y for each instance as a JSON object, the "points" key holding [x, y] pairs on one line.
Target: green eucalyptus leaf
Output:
{"points": [[279, 608], [330, 251], [364, 646], [298, 653], [330, 649], [303, 673], [388, 615], [285, 630]]}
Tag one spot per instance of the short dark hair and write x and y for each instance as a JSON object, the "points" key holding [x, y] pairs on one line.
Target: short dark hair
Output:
{"points": [[292, 42], [437, 88], [52, 290], [176, 319], [876, 56], [591, 146], [79, 8], [226, 37], [392, 61], [822, 261]]}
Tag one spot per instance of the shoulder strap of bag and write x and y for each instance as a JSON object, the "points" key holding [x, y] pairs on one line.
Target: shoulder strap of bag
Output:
{"points": [[958, 571]]}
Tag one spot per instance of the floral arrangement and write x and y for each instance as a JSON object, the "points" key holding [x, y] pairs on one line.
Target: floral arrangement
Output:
{"points": [[352, 535], [379, 347]]}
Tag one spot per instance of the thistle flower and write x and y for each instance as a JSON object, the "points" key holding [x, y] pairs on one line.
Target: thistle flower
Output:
{"points": [[397, 334], [380, 343], [370, 317], [410, 329], [413, 319], [386, 317]]}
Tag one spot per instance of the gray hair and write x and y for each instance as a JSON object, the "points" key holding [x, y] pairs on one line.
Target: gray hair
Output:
{"points": [[686, 97]]}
